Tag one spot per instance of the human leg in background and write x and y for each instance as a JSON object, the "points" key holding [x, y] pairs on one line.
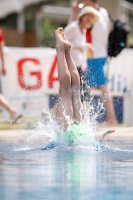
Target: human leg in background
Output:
{"points": [[108, 103], [5, 104], [96, 78]]}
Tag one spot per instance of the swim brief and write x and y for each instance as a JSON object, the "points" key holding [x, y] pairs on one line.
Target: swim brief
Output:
{"points": [[95, 72], [74, 132]]}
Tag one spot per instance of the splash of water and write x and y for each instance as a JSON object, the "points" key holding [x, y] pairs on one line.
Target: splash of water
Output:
{"points": [[48, 132]]}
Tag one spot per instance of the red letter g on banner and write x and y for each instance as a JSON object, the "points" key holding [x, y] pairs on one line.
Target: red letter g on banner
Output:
{"points": [[21, 75]]}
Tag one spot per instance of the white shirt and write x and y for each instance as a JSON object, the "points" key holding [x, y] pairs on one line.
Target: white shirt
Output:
{"points": [[76, 38], [100, 32]]}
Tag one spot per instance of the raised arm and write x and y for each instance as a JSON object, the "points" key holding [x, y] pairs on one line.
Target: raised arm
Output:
{"points": [[74, 10]]}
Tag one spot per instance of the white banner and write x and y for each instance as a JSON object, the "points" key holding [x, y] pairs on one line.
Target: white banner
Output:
{"points": [[32, 76], [121, 72]]}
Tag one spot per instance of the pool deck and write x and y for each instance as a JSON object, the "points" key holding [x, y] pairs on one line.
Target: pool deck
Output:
{"points": [[120, 132]]}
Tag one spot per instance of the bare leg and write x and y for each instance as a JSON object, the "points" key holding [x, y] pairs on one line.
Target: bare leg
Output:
{"points": [[75, 83], [4, 103], [108, 105], [64, 109]]}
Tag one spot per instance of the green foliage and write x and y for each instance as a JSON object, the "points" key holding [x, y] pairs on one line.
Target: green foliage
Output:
{"points": [[47, 32], [29, 21], [65, 3], [130, 39], [47, 35]]}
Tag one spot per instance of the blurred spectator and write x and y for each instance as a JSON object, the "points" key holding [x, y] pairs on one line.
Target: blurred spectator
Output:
{"points": [[98, 36], [3, 102], [3, 71], [75, 33]]}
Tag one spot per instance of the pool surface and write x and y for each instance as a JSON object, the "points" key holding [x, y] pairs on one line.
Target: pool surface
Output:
{"points": [[65, 173]]}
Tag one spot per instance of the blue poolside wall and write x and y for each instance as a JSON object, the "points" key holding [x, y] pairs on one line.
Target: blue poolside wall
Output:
{"points": [[118, 106]]}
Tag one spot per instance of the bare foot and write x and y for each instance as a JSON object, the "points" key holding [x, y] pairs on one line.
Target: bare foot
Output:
{"points": [[15, 116], [68, 44], [61, 40]]}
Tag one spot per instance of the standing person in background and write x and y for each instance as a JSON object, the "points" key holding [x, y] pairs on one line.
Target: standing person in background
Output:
{"points": [[75, 33], [98, 36], [3, 71], [3, 102]]}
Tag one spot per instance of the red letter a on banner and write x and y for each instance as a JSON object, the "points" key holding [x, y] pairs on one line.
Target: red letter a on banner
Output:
{"points": [[51, 77]]}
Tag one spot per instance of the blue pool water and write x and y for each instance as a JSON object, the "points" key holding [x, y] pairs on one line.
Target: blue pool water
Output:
{"points": [[67, 172]]}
